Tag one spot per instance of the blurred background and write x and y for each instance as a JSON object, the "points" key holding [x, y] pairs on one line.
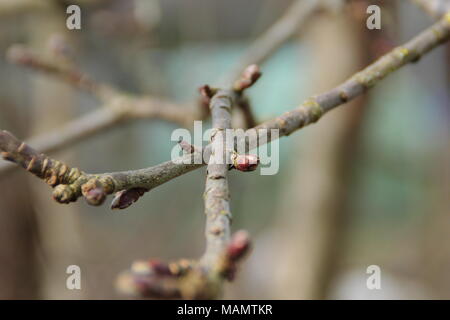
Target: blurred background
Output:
{"points": [[369, 184]]}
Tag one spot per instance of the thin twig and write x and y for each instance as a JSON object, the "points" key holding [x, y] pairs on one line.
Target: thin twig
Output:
{"points": [[133, 105], [279, 33], [67, 72], [268, 43], [118, 111], [247, 79]]}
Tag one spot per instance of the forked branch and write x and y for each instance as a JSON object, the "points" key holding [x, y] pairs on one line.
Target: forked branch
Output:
{"points": [[201, 279]]}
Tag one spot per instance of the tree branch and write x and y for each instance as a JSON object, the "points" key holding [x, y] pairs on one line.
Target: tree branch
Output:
{"points": [[132, 106], [247, 79], [118, 111], [62, 69], [118, 107]]}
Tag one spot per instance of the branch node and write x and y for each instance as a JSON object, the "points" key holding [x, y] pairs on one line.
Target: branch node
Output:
{"points": [[64, 193]]}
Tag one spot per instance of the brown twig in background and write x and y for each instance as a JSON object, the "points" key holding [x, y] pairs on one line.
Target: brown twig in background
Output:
{"points": [[188, 148], [248, 78], [22, 55], [267, 44], [280, 32], [129, 105]]}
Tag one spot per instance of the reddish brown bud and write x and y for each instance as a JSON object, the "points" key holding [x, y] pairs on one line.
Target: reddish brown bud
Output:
{"points": [[125, 198], [93, 192], [248, 162], [150, 267], [252, 73], [145, 286], [239, 245], [248, 78], [160, 268], [206, 91]]}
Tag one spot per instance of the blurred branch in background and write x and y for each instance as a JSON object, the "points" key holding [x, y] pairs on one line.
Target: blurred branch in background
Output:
{"points": [[117, 108], [435, 8], [280, 32]]}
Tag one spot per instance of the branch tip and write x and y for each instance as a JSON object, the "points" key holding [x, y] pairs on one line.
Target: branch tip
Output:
{"points": [[125, 198], [248, 78], [245, 163]]}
